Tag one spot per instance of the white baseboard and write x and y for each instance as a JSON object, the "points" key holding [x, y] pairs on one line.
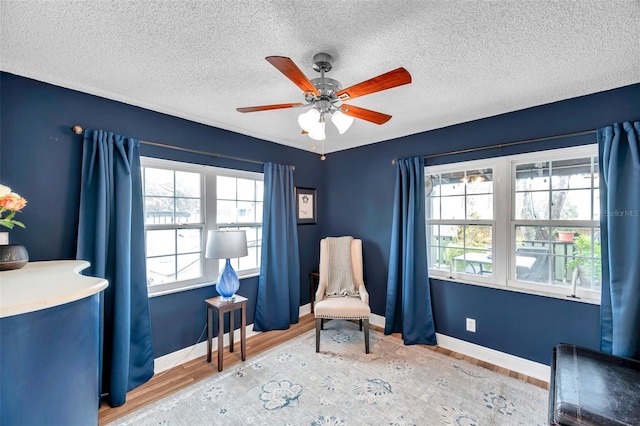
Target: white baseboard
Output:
{"points": [[501, 359], [482, 353], [167, 362]]}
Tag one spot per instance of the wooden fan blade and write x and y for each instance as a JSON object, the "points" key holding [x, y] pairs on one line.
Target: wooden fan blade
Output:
{"points": [[395, 78], [268, 107], [287, 67], [365, 114]]}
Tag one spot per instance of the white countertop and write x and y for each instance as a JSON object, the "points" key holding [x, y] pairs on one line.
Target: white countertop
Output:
{"points": [[42, 285]]}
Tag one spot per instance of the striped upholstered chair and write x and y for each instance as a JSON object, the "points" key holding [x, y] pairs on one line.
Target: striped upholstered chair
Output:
{"points": [[341, 292]]}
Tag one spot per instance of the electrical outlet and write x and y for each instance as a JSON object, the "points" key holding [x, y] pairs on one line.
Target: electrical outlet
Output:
{"points": [[471, 325]]}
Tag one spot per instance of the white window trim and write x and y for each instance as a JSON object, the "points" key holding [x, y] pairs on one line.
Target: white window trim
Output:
{"points": [[211, 267], [504, 225]]}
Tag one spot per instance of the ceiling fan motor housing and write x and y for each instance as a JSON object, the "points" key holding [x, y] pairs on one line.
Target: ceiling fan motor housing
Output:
{"points": [[322, 62]]}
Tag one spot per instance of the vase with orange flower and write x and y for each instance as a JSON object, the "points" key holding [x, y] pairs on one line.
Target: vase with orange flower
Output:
{"points": [[12, 256]]}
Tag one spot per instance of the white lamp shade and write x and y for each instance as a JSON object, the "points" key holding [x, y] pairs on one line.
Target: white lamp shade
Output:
{"points": [[342, 121], [226, 244], [318, 133], [310, 120]]}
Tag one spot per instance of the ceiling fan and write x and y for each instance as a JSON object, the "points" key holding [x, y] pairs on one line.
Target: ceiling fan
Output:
{"points": [[326, 95]]}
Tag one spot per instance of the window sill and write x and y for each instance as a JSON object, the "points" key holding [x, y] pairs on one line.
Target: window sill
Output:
{"points": [[461, 280], [193, 286]]}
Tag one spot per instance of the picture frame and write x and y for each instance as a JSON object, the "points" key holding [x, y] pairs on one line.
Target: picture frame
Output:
{"points": [[306, 206]]}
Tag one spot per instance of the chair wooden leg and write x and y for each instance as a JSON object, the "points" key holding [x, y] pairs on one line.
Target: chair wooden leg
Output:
{"points": [[318, 327], [360, 321], [366, 335], [322, 324]]}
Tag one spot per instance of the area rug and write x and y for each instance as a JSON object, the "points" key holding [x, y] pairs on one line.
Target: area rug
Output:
{"points": [[291, 384]]}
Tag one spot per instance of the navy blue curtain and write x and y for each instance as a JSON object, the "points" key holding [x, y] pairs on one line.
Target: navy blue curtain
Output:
{"points": [[619, 150], [111, 238], [408, 309], [278, 301]]}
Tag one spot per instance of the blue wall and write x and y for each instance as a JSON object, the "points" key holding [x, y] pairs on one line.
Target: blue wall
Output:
{"points": [[361, 182], [40, 158]]}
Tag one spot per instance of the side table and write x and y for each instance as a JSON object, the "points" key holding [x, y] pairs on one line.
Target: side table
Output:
{"points": [[221, 307]]}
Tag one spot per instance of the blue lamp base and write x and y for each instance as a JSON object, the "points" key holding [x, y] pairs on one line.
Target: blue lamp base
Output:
{"points": [[228, 283]]}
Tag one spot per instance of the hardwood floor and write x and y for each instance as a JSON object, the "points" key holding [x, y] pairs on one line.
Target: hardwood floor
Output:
{"points": [[181, 376]]}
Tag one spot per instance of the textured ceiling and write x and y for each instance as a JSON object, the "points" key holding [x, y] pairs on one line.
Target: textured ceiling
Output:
{"points": [[200, 60]]}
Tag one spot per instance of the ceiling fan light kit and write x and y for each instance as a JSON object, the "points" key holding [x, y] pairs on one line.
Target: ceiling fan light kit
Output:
{"points": [[342, 121], [325, 96]]}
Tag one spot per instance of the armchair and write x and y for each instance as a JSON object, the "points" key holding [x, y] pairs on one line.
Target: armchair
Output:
{"points": [[341, 291]]}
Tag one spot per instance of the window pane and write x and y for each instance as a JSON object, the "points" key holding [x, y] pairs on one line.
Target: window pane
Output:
{"points": [[259, 190], [557, 254], [564, 195], [246, 212], [259, 209], [246, 189], [572, 204], [226, 187], [433, 207], [468, 249], [532, 177], [480, 207], [451, 184], [538, 259], [189, 266], [161, 269], [477, 262], [226, 212], [160, 242], [433, 185], [252, 237], [187, 210], [435, 245], [250, 261], [187, 184], [586, 264], [453, 207], [158, 182], [479, 181], [571, 173], [189, 240], [532, 205], [158, 209], [478, 236]]}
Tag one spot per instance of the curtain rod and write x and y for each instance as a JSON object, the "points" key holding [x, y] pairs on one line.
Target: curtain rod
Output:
{"points": [[503, 145], [78, 130]]}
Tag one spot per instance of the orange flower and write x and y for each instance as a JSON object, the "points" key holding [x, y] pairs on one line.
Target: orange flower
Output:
{"points": [[10, 204], [13, 202]]}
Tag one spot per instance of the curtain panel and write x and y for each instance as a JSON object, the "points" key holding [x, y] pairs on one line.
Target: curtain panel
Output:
{"points": [[111, 238], [278, 302], [619, 150], [408, 309]]}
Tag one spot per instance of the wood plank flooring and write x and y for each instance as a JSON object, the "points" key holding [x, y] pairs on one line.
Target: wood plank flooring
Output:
{"points": [[182, 376]]}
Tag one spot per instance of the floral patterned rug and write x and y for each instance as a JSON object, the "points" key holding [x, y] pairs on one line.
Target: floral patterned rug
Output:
{"points": [[393, 385]]}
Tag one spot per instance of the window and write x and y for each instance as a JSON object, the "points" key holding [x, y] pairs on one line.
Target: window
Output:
{"points": [[461, 224], [239, 202], [182, 201], [528, 222]]}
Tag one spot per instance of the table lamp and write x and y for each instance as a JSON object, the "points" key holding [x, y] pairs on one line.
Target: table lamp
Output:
{"points": [[226, 245]]}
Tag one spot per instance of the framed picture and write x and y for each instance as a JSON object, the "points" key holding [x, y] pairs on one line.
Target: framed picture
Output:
{"points": [[306, 206]]}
